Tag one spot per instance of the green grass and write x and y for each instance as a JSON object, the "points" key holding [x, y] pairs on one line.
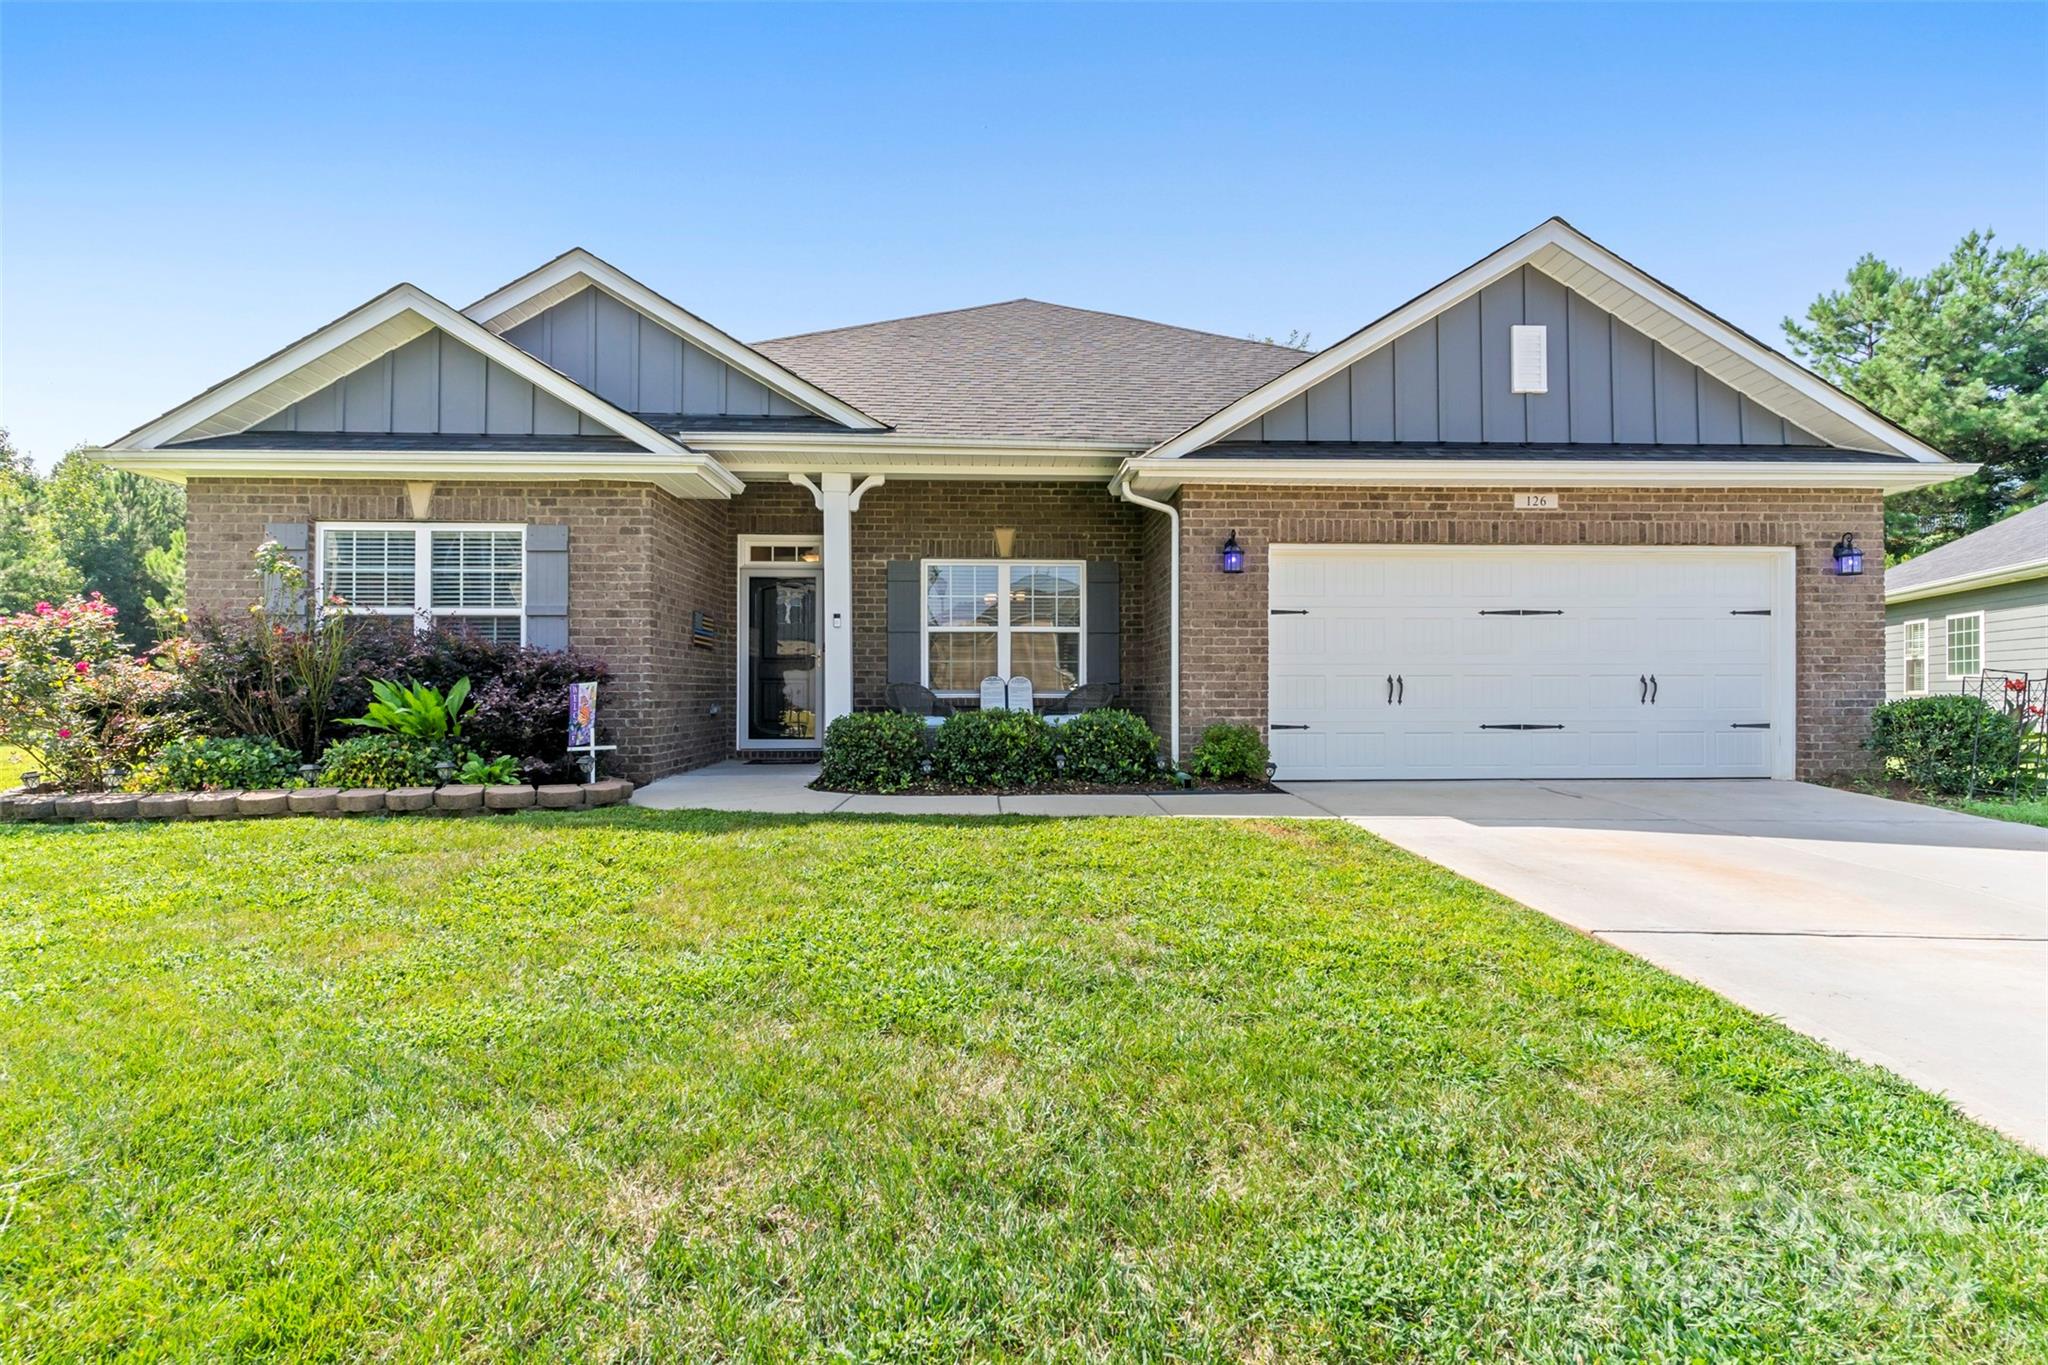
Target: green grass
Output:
{"points": [[728, 1087], [2022, 810], [13, 762]]}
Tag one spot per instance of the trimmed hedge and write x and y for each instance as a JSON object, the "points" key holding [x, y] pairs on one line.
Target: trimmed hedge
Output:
{"points": [[882, 752], [1931, 741], [1107, 746], [994, 749], [1229, 753]]}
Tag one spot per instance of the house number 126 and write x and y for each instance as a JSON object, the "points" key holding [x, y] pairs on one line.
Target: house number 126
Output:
{"points": [[1535, 502]]}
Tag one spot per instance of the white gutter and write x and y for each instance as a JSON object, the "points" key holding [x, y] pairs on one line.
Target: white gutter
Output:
{"points": [[1123, 488], [1970, 582], [688, 473], [1891, 476]]}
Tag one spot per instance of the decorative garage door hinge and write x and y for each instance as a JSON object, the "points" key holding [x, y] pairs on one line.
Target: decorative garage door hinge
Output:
{"points": [[1751, 725], [1287, 727], [1521, 727], [1525, 611], [1753, 611], [1290, 611]]}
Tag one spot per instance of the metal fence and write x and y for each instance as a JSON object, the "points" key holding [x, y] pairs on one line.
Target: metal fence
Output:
{"points": [[2014, 764]]}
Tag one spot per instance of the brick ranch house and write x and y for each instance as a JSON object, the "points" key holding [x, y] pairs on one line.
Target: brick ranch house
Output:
{"points": [[1550, 518]]}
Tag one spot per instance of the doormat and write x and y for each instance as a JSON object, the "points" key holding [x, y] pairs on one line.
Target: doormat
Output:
{"points": [[785, 756]]}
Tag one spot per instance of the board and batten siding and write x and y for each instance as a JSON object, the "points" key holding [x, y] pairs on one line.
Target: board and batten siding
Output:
{"points": [[1446, 381], [433, 384], [633, 362], [2015, 632]]}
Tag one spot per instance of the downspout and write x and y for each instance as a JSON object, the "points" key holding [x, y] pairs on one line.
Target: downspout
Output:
{"points": [[1123, 488]]}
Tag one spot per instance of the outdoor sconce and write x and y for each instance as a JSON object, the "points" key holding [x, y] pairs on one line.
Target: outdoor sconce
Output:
{"points": [[1006, 541], [1233, 555], [1848, 559]]}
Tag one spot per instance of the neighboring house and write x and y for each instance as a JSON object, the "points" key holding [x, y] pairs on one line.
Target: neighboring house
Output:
{"points": [[1973, 606], [1548, 519]]}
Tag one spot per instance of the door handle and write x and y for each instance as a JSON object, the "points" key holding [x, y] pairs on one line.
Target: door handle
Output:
{"points": [[1390, 689], [1653, 689], [1400, 690], [1643, 692]]}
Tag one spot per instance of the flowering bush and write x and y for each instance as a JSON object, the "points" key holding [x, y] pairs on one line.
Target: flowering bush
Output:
{"points": [[204, 763], [75, 699]]}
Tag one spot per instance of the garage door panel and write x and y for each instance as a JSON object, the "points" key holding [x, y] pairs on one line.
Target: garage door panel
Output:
{"points": [[1448, 624]]}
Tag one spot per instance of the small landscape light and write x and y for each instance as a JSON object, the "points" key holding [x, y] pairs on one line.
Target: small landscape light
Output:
{"points": [[1848, 559], [444, 770], [1233, 555]]}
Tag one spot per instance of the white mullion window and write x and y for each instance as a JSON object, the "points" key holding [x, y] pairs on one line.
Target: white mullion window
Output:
{"points": [[1003, 618], [467, 578], [1915, 633], [1965, 639]]}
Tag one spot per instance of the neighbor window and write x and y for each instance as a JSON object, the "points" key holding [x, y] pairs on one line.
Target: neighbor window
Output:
{"points": [[1002, 618], [1916, 656], [1966, 645], [466, 578]]}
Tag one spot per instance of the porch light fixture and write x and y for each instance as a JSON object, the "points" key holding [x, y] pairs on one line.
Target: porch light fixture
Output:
{"points": [[1233, 555], [1848, 559], [1006, 541]]}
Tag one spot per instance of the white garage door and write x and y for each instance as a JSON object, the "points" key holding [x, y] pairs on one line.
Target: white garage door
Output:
{"points": [[1522, 662]]}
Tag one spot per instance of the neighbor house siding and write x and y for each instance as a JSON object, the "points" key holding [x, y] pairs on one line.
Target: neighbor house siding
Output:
{"points": [[2015, 633], [1447, 380], [1840, 670]]}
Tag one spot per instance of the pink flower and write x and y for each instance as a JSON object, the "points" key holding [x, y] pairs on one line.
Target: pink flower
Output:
{"points": [[63, 732], [83, 665], [43, 608]]}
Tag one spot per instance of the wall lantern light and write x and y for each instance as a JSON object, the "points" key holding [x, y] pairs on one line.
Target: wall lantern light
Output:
{"points": [[1848, 559], [1233, 555]]}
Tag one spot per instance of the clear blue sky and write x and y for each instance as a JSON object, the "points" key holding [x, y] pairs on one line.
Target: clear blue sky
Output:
{"points": [[184, 189]]}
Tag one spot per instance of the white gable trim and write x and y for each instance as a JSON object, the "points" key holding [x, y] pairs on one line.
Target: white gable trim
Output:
{"points": [[1567, 255], [352, 341], [686, 475], [576, 269]]}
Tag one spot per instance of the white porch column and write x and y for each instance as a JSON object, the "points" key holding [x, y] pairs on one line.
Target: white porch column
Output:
{"points": [[838, 499]]}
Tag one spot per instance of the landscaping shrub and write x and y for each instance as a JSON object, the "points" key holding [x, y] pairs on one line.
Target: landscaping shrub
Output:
{"points": [[488, 772], [85, 710], [414, 711], [383, 760], [1107, 746], [993, 749], [1930, 741], [1229, 753], [879, 752], [208, 763]]}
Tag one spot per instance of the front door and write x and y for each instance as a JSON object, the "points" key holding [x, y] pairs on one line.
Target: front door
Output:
{"points": [[781, 688]]}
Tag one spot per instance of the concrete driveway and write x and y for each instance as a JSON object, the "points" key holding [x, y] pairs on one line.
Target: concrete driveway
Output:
{"points": [[1910, 937]]}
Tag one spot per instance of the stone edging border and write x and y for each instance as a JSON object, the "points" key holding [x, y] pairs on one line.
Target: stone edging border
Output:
{"points": [[455, 799]]}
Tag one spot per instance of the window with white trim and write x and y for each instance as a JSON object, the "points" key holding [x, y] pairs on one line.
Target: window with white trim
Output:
{"points": [[1002, 618], [1966, 645], [1916, 656], [466, 578]]}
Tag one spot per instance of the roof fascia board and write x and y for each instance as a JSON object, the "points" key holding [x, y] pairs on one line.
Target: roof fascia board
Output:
{"points": [[706, 476], [506, 307], [1970, 582], [1554, 232], [400, 299], [1163, 471]]}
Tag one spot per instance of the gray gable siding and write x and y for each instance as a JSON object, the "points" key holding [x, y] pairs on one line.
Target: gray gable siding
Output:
{"points": [[433, 384], [2015, 632], [633, 362], [1447, 381]]}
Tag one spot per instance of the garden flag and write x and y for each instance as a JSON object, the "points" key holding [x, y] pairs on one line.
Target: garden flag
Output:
{"points": [[582, 715]]}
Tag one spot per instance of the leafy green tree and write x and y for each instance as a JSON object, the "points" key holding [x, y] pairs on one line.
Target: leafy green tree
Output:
{"points": [[87, 528], [1958, 357]]}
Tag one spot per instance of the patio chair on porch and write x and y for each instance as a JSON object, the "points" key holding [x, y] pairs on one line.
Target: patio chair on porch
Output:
{"points": [[1079, 700], [914, 699]]}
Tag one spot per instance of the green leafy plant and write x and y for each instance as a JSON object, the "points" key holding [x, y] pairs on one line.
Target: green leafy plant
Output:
{"points": [[1107, 746], [479, 771], [381, 760], [415, 710], [881, 752], [1936, 742], [1229, 753], [76, 701], [208, 763], [993, 749]]}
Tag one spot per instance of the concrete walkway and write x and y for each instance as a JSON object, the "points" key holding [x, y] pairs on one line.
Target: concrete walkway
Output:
{"points": [[1907, 936]]}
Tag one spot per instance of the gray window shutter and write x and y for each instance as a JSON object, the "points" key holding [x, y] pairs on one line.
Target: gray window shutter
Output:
{"points": [[292, 538], [547, 587], [1105, 623], [906, 623]]}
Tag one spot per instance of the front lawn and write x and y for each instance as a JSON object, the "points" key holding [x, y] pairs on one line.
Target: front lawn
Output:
{"points": [[701, 1087], [2019, 809]]}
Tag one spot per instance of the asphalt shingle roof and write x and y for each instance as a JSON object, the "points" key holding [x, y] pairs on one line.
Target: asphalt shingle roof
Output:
{"points": [[2020, 539], [1033, 370]]}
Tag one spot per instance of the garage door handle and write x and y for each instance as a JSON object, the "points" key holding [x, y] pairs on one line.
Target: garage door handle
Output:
{"points": [[1400, 690], [1643, 692], [1521, 727], [1287, 727], [1653, 689]]}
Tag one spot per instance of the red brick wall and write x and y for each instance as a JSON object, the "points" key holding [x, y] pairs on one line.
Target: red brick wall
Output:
{"points": [[1840, 622]]}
